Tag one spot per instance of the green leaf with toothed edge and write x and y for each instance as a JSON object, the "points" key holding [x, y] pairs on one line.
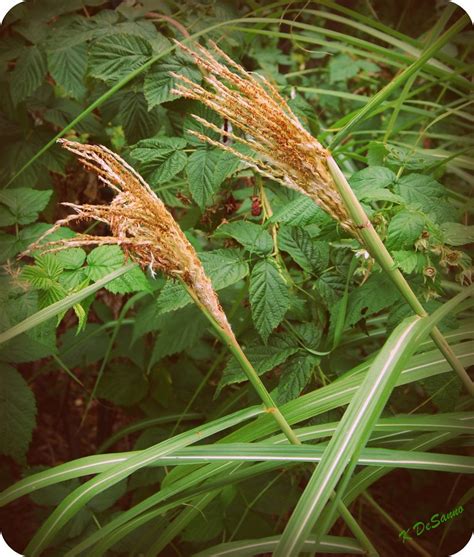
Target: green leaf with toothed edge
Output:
{"points": [[224, 267], [22, 205], [28, 74], [404, 229], [263, 358], [159, 83], [103, 259], [161, 158], [207, 168], [113, 57], [312, 256], [269, 298], [67, 67], [17, 413], [252, 236]]}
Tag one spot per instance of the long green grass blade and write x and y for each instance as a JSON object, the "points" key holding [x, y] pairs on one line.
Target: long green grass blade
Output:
{"points": [[399, 80], [307, 406], [79, 497], [144, 424], [63, 305], [246, 548], [451, 422], [357, 423]]}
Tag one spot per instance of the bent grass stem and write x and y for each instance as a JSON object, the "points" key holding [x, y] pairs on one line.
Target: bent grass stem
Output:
{"points": [[234, 347], [380, 253]]}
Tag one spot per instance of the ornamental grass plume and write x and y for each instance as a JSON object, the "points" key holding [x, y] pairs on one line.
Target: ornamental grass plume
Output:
{"points": [[140, 223], [284, 150], [144, 228]]}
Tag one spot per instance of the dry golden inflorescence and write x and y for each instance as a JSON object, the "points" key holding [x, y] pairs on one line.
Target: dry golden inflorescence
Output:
{"points": [[284, 150], [139, 223]]}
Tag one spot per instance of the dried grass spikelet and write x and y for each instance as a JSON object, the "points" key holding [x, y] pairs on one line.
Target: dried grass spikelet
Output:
{"points": [[139, 223], [285, 151]]}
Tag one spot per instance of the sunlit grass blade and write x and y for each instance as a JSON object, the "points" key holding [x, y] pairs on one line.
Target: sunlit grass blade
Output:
{"points": [[79, 497], [63, 305], [144, 424], [451, 422], [307, 406], [246, 548], [357, 423], [399, 80]]}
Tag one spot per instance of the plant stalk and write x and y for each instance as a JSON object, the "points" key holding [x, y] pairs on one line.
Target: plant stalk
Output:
{"points": [[54, 309], [379, 252], [234, 347]]}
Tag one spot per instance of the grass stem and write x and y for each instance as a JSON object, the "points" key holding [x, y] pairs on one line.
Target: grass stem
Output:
{"points": [[379, 252], [234, 347]]}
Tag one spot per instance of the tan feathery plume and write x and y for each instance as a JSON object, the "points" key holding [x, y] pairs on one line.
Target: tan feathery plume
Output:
{"points": [[285, 151], [140, 223], [149, 235]]}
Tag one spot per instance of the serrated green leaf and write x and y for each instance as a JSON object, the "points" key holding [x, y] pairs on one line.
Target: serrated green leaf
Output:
{"points": [[113, 57], [404, 229], [301, 211], [123, 384], [133, 281], [191, 124], [17, 413], [71, 259], [207, 169], [85, 348], [310, 255], [407, 158], [148, 150], [173, 297], [456, 234], [102, 260], [180, 330], [39, 342], [331, 286], [263, 358], [342, 67], [424, 193], [372, 177], [161, 158], [443, 391], [159, 83], [45, 273], [419, 188], [28, 74], [371, 183], [136, 120], [169, 165], [295, 377], [22, 205], [376, 153], [252, 236], [366, 300], [269, 298], [223, 267], [407, 260], [67, 67]]}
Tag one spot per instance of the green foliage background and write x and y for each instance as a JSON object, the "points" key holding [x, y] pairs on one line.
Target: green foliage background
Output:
{"points": [[306, 304]]}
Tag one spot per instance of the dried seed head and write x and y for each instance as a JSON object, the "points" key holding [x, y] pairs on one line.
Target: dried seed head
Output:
{"points": [[140, 223], [284, 150]]}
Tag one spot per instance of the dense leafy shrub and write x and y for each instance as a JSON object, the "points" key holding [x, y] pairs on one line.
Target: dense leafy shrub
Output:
{"points": [[130, 366]]}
